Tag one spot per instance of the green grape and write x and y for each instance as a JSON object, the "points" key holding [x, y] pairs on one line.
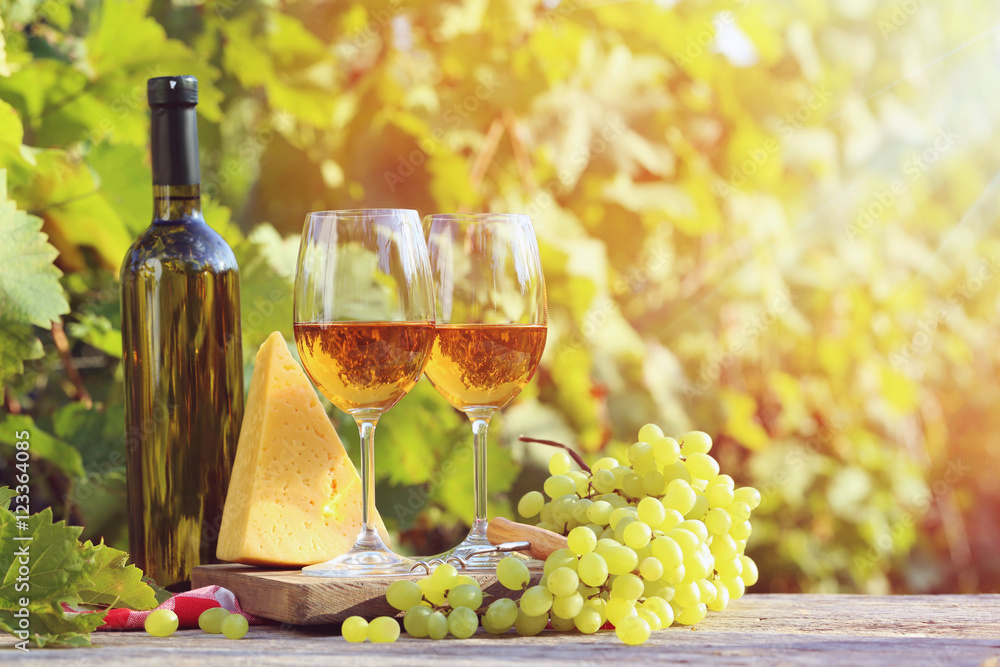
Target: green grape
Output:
{"points": [[536, 601], [718, 495], [696, 527], [615, 500], [437, 625], [567, 606], [749, 574], [668, 552], [560, 463], [627, 586], [672, 518], [563, 581], [650, 432], [465, 579], [741, 531], [685, 539], [384, 630], [674, 576], [462, 622], [659, 606], [653, 483], [588, 621], [718, 521], [640, 453], [530, 504], [234, 627], [444, 576], [696, 442], [621, 472], [674, 471], [651, 618], [560, 624], [600, 512], [621, 559], [651, 511], [699, 509], [729, 568], [599, 604], [581, 540], [697, 566], [632, 486], [415, 620], [692, 615], [723, 478], [580, 508], [403, 594], [560, 558], [354, 629], [621, 513], [603, 544], [666, 451], [740, 511], [582, 481], [432, 590], [211, 620], [724, 547], [545, 514], [721, 600], [618, 609], [708, 591], [651, 568], [562, 508], [512, 573], [637, 535], [559, 485], [633, 630], [701, 466], [679, 496], [592, 569], [465, 595], [736, 587], [687, 594], [529, 626], [699, 485], [162, 623], [605, 463], [748, 495], [604, 481], [545, 525], [500, 616]]}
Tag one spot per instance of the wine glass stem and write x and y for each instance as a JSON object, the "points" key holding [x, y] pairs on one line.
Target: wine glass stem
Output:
{"points": [[366, 426], [480, 427]]}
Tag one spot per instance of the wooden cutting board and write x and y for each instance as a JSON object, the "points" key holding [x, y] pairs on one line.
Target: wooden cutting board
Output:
{"points": [[288, 596]]}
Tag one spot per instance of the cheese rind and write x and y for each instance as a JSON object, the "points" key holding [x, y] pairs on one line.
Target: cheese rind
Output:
{"points": [[290, 466]]}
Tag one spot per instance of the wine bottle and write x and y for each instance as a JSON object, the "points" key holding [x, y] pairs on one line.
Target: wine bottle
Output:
{"points": [[182, 355]]}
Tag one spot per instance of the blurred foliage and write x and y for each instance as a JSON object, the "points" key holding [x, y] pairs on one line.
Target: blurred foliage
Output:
{"points": [[768, 220]]}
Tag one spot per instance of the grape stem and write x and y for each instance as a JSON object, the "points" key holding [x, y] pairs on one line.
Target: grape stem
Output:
{"points": [[552, 443]]}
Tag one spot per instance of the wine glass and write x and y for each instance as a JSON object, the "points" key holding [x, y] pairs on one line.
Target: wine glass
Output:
{"points": [[364, 327], [491, 324]]}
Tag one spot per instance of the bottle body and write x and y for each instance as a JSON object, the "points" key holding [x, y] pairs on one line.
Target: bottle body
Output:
{"points": [[182, 366], [184, 394]]}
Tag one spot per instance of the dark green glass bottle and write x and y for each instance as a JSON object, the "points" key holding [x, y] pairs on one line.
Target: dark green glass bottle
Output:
{"points": [[182, 355]]}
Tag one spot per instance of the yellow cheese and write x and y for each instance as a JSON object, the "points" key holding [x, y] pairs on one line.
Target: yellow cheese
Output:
{"points": [[295, 496]]}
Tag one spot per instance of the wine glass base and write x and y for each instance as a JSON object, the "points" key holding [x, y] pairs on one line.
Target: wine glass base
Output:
{"points": [[484, 560], [361, 563]]}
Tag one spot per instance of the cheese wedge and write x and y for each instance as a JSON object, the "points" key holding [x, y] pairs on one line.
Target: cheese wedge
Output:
{"points": [[295, 496]]}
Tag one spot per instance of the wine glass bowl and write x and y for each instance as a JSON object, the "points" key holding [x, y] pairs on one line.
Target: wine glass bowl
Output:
{"points": [[364, 327], [491, 324]]}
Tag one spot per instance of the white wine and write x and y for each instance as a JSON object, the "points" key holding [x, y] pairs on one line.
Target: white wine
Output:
{"points": [[182, 356]]}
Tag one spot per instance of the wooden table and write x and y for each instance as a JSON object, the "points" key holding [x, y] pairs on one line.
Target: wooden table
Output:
{"points": [[757, 630]]}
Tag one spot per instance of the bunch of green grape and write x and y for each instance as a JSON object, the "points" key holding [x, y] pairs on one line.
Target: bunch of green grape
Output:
{"points": [[443, 603], [657, 541]]}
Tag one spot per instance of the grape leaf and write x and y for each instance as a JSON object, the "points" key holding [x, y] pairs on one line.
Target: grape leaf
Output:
{"points": [[111, 581]]}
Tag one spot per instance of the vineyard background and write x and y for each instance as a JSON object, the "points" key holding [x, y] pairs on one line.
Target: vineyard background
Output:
{"points": [[774, 221]]}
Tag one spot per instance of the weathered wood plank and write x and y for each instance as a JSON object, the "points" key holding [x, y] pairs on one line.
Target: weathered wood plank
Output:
{"points": [[757, 630]]}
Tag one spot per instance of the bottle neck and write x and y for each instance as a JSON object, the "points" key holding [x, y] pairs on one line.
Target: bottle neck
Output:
{"points": [[176, 170], [174, 203]]}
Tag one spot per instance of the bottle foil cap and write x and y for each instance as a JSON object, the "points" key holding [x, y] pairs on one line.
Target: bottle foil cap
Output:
{"points": [[181, 90]]}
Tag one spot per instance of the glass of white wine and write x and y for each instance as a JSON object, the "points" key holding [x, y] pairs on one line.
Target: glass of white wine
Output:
{"points": [[364, 327], [491, 325]]}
